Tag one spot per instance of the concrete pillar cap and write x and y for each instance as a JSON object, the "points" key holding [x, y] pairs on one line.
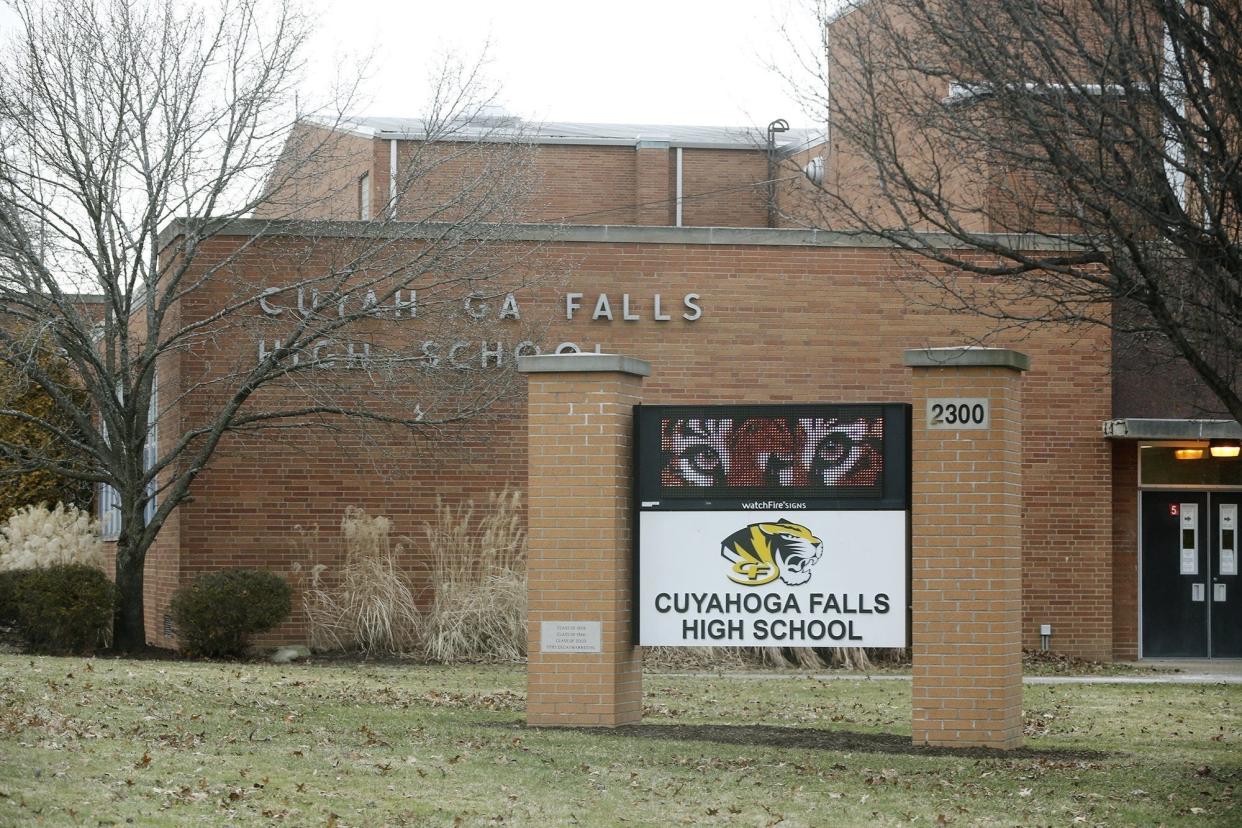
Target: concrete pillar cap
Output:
{"points": [[966, 356], [583, 363]]}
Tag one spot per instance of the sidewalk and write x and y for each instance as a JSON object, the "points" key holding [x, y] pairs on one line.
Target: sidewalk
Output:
{"points": [[1188, 671]]}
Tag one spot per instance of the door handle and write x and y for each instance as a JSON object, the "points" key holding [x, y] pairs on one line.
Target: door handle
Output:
{"points": [[1218, 593], [1198, 592]]}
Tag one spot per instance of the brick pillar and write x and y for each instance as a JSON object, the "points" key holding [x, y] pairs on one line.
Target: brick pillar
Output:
{"points": [[580, 576], [967, 552], [654, 193]]}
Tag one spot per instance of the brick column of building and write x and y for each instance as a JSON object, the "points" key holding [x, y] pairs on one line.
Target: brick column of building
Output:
{"points": [[966, 583], [653, 186], [583, 667]]}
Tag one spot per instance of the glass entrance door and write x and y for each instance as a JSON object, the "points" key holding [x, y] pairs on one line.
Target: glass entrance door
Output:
{"points": [[1190, 552]]}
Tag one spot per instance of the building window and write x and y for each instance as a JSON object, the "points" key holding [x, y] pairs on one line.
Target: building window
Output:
{"points": [[364, 197], [109, 511], [109, 498]]}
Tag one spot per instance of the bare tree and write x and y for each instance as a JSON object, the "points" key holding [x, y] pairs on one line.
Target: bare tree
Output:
{"points": [[1063, 162], [150, 155]]}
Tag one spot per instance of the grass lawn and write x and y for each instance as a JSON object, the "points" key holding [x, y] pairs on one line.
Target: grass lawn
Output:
{"points": [[108, 742]]}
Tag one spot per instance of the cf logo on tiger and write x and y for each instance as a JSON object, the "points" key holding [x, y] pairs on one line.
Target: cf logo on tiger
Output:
{"points": [[763, 552]]}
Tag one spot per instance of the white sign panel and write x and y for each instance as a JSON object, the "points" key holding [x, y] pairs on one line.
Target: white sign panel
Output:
{"points": [[1228, 539], [959, 413], [570, 637], [762, 579], [1190, 538], [1228, 562]]}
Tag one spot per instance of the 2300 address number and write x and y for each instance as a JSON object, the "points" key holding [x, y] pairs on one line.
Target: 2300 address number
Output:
{"points": [[958, 413]]}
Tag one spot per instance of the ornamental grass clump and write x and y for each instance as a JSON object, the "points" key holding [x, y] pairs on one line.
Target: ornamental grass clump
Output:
{"points": [[470, 604], [216, 614], [477, 571], [36, 537], [370, 605]]}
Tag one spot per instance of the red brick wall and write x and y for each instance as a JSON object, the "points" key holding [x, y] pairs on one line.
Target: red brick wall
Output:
{"points": [[719, 188], [779, 324], [569, 183], [1125, 550], [317, 176], [655, 186], [267, 492], [1067, 583]]}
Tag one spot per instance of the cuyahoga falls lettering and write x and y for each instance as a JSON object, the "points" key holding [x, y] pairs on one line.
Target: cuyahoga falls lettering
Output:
{"points": [[798, 628], [289, 303], [707, 603]]}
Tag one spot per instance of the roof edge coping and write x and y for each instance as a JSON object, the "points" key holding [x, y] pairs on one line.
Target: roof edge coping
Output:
{"points": [[622, 233], [1143, 428], [966, 356], [583, 363]]}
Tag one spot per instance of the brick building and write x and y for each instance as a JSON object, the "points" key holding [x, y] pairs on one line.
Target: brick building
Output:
{"points": [[659, 243]]}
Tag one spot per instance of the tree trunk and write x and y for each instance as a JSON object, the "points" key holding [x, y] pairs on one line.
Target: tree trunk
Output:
{"points": [[129, 632]]}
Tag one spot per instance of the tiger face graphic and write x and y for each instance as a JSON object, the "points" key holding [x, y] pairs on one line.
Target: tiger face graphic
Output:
{"points": [[762, 552], [810, 452]]}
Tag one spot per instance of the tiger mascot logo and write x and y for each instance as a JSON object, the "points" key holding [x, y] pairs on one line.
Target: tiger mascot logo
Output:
{"points": [[763, 552]]}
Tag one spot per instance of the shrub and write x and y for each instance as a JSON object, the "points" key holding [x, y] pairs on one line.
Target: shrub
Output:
{"points": [[9, 590], [373, 606], [478, 574], [218, 612], [35, 537], [64, 608]]}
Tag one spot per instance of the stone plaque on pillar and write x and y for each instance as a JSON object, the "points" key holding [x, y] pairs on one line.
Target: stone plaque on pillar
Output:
{"points": [[571, 637]]}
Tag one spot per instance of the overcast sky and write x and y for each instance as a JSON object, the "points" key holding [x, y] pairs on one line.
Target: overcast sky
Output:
{"points": [[640, 61]]}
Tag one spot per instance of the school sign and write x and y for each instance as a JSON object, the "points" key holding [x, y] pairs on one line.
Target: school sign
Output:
{"points": [[773, 525]]}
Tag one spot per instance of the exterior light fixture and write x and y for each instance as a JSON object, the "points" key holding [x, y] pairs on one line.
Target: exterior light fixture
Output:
{"points": [[814, 171], [1188, 453], [1226, 448]]}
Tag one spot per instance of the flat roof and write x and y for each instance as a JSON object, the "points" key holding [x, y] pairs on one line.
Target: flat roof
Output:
{"points": [[510, 127], [608, 233]]}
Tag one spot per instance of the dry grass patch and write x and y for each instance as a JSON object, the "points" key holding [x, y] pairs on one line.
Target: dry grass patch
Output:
{"points": [[478, 582], [90, 742], [464, 602], [370, 605]]}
